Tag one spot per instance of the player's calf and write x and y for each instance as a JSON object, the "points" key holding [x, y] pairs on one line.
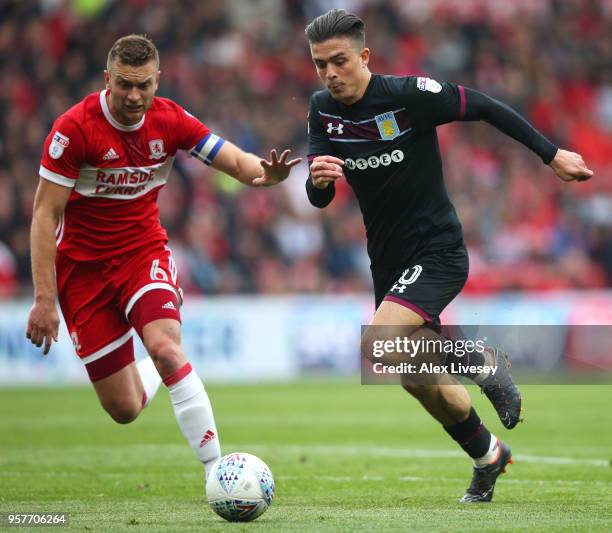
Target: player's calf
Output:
{"points": [[190, 401], [123, 411], [121, 394], [446, 402], [156, 318], [117, 383]]}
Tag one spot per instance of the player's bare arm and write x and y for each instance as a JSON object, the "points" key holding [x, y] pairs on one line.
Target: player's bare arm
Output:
{"points": [[252, 170], [43, 321], [325, 169]]}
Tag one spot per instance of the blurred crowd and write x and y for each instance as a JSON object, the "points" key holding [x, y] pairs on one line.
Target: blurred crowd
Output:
{"points": [[243, 68]]}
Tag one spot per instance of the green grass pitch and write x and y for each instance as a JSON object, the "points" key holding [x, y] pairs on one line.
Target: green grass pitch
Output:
{"points": [[345, 457]]}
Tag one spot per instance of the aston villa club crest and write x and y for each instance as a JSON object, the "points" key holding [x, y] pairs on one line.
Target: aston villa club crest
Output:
{"points": [[387, 126], [157, 149]]}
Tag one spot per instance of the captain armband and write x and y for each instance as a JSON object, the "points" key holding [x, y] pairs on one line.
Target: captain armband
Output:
{"points": [[207, 148]]}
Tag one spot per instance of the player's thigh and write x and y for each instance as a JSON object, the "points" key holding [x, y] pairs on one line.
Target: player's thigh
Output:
{"points": [[151, 299], [410, 310], [101, 335], [390, 313], [156, 317], [390, 319], [390, 322], [146, 271], [150, 294]]}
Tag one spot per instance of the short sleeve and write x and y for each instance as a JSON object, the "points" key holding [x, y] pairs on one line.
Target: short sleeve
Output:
{"points": [[198, 139], [318, 143], [64, 153], [192, 130], [431, 103]]}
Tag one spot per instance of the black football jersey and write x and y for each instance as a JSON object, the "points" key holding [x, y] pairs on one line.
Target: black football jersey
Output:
{"points": [[389, 144]]}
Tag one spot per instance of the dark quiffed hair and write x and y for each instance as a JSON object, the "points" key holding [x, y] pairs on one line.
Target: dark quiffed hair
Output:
{"points": [[334, 23], [134, 50]]}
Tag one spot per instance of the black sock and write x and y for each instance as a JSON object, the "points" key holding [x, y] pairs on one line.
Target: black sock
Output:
{"points": [[472, 435]]}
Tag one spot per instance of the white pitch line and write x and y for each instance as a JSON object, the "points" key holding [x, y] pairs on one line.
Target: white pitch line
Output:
{"points": [[347, 479], [322, 478], [423, 453]]}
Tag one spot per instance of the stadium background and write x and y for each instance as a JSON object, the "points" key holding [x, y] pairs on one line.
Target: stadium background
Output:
{"points": [[277, 290], [244, 69], [540, 250]]}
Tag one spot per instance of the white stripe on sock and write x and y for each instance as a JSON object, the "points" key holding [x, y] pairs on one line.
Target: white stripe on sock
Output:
{"points": [[491, 455], [149, 376]]}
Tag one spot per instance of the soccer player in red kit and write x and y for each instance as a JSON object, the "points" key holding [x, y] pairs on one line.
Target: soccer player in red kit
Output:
{"points": [[96, 236]]}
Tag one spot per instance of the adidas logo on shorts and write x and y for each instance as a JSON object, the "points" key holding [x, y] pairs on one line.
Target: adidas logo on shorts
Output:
{"points": [[169, 305]]}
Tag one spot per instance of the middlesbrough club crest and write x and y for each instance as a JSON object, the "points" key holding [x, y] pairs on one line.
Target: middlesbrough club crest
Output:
{"points": [[157, 149]]}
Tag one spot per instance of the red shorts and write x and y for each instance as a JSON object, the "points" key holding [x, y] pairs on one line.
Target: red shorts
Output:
{"points": [[96, 298]]}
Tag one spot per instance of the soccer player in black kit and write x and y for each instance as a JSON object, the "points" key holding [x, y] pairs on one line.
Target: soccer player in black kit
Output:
{"points": [[379, 132]]}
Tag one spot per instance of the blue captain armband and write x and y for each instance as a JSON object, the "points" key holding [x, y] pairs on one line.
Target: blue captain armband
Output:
{"points": [[207, 148]]}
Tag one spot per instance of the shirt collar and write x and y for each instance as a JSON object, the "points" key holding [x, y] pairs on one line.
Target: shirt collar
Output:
{"points": [[110, 118]]}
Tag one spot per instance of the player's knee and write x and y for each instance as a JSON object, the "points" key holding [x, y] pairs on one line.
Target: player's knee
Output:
{"points": [[165, 352], [369, 343], [123, 412]]}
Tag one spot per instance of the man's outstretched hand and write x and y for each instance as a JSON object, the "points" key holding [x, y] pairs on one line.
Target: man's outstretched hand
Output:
{"points": [[275, 170], [569, 166]]}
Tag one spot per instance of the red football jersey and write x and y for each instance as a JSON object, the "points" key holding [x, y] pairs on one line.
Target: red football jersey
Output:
{"points": [[116, 173]]}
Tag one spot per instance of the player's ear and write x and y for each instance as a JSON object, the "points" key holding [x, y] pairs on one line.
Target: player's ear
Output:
{"points": [[365, 57], [157, 79], [107, 79]]}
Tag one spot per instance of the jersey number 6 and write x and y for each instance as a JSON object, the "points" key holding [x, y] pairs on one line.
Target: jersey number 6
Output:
{"points": [[159, 274]]}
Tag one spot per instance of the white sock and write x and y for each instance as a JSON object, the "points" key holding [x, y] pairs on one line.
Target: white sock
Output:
{"points": [[491, 455], [150, 378], [194, 414]]}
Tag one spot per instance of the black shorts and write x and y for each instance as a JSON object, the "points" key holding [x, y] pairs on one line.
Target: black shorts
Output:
{"points": [[426, 284]]}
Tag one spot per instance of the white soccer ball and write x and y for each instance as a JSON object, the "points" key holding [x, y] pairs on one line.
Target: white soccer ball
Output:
{"points": [[240, 487]]}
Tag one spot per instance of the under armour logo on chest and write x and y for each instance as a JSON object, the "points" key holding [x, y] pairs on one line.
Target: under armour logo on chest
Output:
{"points": [[331, 128]]}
